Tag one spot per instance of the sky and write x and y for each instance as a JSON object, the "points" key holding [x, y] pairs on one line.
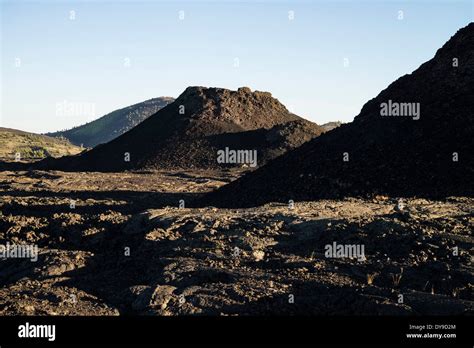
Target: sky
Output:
{"points": [[65, 63]]}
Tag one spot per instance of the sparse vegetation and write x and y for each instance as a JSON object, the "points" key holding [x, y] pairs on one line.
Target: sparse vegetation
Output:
{"points": [[112, 125], [371, 277], [396, 278], [32, 146]]}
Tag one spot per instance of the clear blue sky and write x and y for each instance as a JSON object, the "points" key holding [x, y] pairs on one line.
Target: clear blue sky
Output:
{"points": [[301, 61]]}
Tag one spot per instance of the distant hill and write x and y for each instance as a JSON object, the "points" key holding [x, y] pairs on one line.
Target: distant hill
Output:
{"points": [[330, 125], [416, 138], [114, 124], [33, 146], [191, 131]]}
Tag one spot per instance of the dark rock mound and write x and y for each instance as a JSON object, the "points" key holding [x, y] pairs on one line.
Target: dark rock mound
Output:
{"points": [[393, 155], [188, 133]]}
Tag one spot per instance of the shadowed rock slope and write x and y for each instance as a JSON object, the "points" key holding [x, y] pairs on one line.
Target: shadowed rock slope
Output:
{"points": [[390, 155], [189, 132]]}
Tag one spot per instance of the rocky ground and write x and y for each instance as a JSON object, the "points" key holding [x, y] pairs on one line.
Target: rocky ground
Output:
{"points": [[120, 244]]}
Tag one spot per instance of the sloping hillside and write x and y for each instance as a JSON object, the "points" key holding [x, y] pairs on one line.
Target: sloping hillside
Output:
{"points": [[114, 124], [416, 138], [33, 146]]}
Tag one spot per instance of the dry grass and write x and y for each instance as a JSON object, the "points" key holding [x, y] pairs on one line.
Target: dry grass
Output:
{"points": [[32, 146], [396, 278], [371, 277]]}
